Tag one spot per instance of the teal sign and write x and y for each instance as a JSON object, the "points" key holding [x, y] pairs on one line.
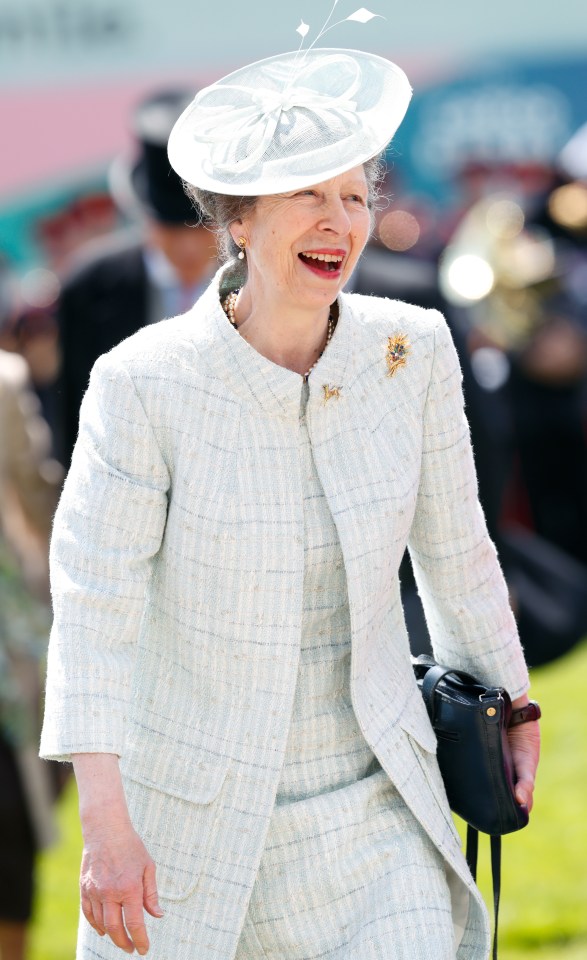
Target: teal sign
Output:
{"points": [[520, 112]]}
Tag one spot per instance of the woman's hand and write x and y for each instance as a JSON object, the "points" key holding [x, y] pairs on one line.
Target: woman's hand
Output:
{"points": [[117, 881], [524, 739]]}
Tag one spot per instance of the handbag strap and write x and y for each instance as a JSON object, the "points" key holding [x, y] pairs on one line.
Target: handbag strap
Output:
{"points": [[434, 674], [472, 852]]}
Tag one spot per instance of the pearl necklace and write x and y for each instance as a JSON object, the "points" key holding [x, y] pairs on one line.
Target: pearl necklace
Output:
{"points": [[229, 307]]}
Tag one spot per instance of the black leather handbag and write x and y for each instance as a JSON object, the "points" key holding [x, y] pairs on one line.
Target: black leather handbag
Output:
{"points": [[471, 721]]}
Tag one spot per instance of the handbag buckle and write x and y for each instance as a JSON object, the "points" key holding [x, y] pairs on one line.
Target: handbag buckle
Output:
{"points": [[492, 703], [491, 694]]}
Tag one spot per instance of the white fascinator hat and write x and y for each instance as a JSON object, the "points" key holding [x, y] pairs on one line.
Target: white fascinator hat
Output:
{"points": [[289, 121]]}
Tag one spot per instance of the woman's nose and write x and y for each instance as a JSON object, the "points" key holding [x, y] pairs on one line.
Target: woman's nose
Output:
{"points": [[335, 217]]}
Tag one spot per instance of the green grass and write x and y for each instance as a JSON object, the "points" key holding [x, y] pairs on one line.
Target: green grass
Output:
{"points": [[544, 899], [54, 929]]}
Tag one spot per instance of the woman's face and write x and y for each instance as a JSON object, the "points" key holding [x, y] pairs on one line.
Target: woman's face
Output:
{"points": [[303, 246]]}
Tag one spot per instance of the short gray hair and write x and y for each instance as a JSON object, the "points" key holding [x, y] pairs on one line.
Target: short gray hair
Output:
{"points": [[222, 209]]}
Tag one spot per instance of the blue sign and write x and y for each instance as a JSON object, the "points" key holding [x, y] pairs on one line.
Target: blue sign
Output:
{"points": [[516, 113]]}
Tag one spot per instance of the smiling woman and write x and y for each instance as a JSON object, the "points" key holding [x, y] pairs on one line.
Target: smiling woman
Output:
{"points": [[308, 241], [230, 666], [224, 209]]}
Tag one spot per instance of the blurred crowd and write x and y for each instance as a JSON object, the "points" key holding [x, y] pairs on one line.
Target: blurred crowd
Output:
{"points": [[509, 271]]}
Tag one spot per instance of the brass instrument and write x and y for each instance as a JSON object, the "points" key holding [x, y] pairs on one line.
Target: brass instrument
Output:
{"points": [[501, 270]]}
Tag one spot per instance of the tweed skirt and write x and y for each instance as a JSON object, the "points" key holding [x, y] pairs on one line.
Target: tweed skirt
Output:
{"points": [[349, 875]]}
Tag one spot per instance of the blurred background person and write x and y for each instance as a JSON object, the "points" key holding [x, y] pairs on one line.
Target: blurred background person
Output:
{"points": [[134, 277], [510, 278], [32, 333], [29, 484]]}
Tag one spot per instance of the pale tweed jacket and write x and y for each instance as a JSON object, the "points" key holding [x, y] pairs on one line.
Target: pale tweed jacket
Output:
{"points": [[177, 565]]}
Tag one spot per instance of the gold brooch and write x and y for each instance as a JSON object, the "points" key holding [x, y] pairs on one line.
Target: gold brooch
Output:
{"points": [[330, 392], [397, 351]]}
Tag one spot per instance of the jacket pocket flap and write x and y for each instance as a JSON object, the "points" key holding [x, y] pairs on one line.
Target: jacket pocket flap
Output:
{"points": [[195, 778]]}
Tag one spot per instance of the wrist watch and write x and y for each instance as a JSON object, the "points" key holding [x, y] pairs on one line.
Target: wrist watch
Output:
{"points": [[525, 714]]}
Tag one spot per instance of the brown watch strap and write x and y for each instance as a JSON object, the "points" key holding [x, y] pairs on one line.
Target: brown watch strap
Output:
{"points": [[525, 714]]}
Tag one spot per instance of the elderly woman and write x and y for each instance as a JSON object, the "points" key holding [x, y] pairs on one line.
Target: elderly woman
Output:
{"points": [[230, 667]]}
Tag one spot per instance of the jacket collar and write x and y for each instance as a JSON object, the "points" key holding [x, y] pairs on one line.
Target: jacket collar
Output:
{"points": [[256, 380]]}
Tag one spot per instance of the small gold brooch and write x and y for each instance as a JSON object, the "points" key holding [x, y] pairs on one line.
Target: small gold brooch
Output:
{"points": [[330, 392], [397, 351]]}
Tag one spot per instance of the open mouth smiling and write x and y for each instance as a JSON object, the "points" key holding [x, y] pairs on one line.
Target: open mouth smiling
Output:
{"points": [[322, 262]]}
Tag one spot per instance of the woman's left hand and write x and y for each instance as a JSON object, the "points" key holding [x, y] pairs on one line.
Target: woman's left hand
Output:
{"points": [[524, 741]]}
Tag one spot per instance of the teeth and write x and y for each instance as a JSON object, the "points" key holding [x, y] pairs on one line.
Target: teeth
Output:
{"points": [[327, 257]]}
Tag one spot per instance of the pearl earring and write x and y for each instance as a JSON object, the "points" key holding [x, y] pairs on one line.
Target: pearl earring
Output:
{"points": [[242, 242]]}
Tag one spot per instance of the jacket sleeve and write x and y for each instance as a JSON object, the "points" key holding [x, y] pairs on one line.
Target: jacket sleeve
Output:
{"points": [[108, 527], [461, 584]]}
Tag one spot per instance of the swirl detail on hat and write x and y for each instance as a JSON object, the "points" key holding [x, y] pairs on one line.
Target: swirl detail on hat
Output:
{"points": [[254, 125]]}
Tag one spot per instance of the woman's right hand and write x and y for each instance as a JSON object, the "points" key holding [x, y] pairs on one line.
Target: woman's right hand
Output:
{"points": [[117, 880]]}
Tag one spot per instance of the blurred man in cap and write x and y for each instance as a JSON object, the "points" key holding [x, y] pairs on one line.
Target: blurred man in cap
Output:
{"points": [[156, 270]]}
